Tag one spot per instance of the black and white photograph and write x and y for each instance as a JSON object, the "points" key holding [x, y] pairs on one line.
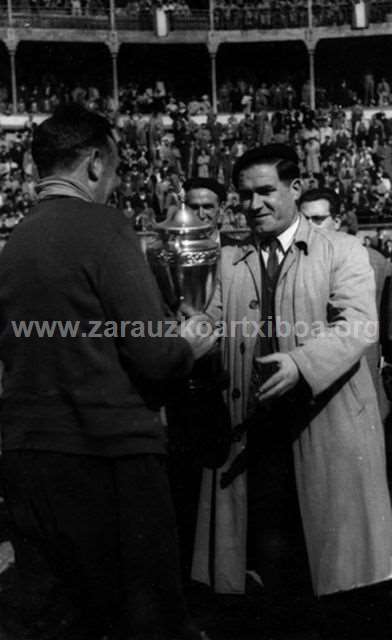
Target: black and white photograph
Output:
{"points": [[196, 320]]}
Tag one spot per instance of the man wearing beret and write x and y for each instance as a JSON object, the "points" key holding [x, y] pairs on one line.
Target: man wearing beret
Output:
{"points": [[303, 496], [204, 196], [186, 420]]}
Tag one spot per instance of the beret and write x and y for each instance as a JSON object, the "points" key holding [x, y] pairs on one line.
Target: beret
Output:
{"points": [[258, 155], [206, 183]]}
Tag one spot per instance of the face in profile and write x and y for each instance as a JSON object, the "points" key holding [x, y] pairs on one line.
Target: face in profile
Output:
{"points": [[319, 214], [204, 203], [108, 179]]}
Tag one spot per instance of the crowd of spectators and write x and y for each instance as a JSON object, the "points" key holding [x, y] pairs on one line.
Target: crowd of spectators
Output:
{"points": [[133, 9], [239, 96], [348, 153], [228, 14], [281, 14]]}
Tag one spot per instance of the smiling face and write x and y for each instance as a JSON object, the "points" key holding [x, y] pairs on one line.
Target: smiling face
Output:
{"points": [[269, 204], [205, 203]]}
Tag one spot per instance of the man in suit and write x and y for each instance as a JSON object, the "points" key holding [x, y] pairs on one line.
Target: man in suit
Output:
{"points": [[312, 497], [322, 208]]}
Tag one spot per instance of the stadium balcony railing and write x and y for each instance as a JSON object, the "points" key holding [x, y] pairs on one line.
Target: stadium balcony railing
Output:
{"points": [[225, 18]]}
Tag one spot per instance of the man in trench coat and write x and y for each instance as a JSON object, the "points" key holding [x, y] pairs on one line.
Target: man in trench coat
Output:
{"points": [[320, 403]]}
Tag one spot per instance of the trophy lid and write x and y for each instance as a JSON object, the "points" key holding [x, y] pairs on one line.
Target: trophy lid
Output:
{"points": [[183, 220]]}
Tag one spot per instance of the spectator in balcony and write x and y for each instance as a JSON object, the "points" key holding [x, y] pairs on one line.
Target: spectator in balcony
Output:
{"points": [[368, 88], [226, 165], [171, 107], [203, 136], [277, 96], [204, 105], [230, 134], [156, 128], [203, 161], [214, 127], [141, 130], [261, 97], [342, 137], [383, 93], [247, 130], [193, 106], [76, 8], [312, 150], [361, 131], [238, 149], [310, 131], [387, 162], [264, 128], [346, 177], [377, 126], [247, 101], [215, 161]]}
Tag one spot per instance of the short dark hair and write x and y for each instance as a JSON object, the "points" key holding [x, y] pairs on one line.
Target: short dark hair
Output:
{"points": [[61, 139], [206, 183], [322, 194], [282, 156]]}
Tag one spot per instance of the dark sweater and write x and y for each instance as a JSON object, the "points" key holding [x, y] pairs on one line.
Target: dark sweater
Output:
{"points": [[81, 262]]}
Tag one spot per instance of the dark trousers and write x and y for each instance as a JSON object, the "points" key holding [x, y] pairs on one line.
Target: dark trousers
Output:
{"points": [[276, 546], [107, 531], [276, 549]]}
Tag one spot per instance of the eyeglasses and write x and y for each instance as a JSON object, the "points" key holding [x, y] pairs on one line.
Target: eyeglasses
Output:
{"points": [[318, 219]]}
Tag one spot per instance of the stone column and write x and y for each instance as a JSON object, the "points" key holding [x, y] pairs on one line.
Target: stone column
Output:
{"points": [[312, 81], [12, 45], [114, 47], [213, 46]]}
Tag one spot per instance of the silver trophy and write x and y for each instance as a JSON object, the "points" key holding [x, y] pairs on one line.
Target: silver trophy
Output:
{"points": [[184, 259]]}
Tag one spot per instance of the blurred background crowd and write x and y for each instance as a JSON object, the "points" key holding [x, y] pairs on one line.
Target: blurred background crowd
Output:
{"points": [[228, 14], [338, 148], [234, 96]]}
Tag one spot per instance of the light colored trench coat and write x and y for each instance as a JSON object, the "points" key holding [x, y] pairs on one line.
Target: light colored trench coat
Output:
{"points": [[339, 455]]}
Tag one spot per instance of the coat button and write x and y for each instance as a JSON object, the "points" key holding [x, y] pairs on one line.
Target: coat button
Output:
{"points": [[253, 304], [235, 394]]}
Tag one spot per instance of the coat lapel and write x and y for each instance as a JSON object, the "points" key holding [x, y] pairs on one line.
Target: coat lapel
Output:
{"points": [[250, 256], [300, 243]]}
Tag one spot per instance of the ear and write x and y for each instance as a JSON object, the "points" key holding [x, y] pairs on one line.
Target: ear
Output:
{"points": [[296, 189], [95, 165]]}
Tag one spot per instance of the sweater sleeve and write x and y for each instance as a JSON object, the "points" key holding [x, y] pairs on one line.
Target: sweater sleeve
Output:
{"points": [[147, 341]]}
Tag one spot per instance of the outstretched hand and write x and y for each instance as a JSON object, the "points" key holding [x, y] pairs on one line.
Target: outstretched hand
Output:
{"points": [[280, 382]]}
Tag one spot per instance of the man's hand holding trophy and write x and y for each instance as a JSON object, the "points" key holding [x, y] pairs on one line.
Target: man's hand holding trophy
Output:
{"points": [[184, 259]]}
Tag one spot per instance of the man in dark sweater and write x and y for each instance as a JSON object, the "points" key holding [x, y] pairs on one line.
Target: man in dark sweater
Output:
{"points": [[87, 364]]}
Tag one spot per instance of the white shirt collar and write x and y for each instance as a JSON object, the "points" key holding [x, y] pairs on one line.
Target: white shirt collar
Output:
{"points": [[286, 237]]}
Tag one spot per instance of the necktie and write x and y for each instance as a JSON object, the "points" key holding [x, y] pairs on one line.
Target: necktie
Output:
{"points": [[272, 266], [266, 343]]}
